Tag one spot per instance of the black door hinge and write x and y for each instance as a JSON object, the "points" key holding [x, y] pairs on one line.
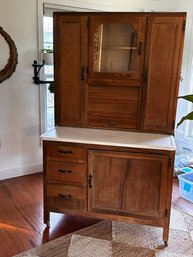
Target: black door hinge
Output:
{"points": [[169, 163], [90, 181], [166, 213], [83, 73], [173, 124], [184, 25], [88, 24], [140, 48], [145, 76]]}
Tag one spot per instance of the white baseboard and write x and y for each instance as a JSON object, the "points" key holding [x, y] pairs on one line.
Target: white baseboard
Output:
{"points": [[20, 171]]}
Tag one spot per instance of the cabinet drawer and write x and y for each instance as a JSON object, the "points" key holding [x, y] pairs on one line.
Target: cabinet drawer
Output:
{"points": [[61, 196], [69, 173], [65, 153]]}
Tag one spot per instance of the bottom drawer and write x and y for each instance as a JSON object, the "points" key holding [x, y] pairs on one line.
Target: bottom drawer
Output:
{"points": [[61, 197]]}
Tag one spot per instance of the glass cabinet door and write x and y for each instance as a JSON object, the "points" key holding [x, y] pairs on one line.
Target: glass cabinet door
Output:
{"points": [[117, 46]]}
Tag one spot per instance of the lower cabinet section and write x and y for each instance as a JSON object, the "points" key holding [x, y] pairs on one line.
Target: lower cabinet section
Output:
{"points": [[108, 182]]}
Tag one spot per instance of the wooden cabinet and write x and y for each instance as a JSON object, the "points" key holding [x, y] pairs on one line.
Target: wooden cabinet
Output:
{"points": [[118, 70], [100, 174]]}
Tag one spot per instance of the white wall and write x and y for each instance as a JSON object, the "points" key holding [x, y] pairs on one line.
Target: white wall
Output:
{"points": [[20, 151]]}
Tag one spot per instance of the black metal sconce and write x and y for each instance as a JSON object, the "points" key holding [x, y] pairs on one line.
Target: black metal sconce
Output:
{"points": [[37, 67]]}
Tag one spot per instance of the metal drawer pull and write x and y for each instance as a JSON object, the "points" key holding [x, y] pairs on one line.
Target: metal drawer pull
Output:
{"points": [[65, 196], [65, 151], [65, 171]]}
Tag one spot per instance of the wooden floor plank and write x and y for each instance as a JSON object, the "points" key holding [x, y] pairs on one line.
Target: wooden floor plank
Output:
{"points": [[21, 215]]}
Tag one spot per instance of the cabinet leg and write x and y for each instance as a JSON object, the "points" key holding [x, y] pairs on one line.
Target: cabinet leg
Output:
{"points": [[47, 218], [47, 223], [165, 235]]}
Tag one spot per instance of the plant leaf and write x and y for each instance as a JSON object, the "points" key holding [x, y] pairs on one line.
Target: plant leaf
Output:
{"points": [[189, 116], [187, 97], [51, 87]]}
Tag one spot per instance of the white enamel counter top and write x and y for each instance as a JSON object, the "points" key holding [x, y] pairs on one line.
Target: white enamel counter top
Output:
{"points": [[111, 138]]}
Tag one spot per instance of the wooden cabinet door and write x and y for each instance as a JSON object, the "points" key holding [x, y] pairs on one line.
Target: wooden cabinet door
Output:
{"points": [[162, 68], [116, 45], [127, 183], [70, 62]]}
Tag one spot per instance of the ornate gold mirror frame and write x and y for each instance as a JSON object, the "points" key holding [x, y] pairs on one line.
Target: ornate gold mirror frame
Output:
{"points": [[10, 67]]}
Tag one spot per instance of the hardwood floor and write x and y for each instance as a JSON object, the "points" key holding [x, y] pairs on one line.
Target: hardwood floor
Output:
{"points": [[21, 215]]}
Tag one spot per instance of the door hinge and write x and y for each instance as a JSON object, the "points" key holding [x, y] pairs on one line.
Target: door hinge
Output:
{"points": [[145, 76], [166, 213], [140, 48], [173, 124], [83, 73], [184, 25], [169, 163], [88, 24], [90, 181]]}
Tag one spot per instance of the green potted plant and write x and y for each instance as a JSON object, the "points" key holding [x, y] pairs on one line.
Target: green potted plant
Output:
{"points": [[48, 56], [51, 87], [188, 116]]}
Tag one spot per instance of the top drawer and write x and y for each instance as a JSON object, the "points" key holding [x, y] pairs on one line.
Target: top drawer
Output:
{"points": [[61, 152]]}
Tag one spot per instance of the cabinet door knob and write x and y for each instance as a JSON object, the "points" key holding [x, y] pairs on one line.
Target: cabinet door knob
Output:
{"points": [[90, 181], [64, 171], [65, 196]]}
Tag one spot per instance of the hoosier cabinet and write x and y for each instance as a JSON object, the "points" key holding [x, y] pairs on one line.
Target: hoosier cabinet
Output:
{"points": [[116, 78]]}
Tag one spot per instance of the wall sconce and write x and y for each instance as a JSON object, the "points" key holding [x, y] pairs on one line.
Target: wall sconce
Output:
{"points": [[37, 67]]}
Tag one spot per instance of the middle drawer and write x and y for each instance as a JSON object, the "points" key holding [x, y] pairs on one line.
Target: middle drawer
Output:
{"points": [[70, 173]]}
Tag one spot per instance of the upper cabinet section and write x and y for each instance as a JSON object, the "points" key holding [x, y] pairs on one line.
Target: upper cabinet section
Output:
{"points": [[116, 46], [118, 70]]}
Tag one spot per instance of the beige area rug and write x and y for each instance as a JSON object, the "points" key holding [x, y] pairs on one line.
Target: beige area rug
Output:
{"points": [[118, 239]]}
